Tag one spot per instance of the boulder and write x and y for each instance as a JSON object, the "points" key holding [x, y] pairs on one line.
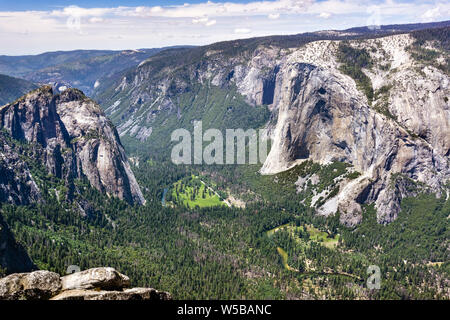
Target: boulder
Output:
{"points": [[128, 294], [97, 278], [92, 284], [38, 285]]}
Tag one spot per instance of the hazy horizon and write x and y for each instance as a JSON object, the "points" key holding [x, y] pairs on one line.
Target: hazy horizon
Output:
{"points": [[34, 27], [189, 45]]}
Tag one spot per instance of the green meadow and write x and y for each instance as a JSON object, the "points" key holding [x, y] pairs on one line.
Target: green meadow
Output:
{"points": [[315, 234], [192, 192]]}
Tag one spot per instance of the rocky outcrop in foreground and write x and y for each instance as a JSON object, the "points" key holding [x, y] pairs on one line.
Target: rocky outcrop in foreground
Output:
{"points": [[92, 284]]}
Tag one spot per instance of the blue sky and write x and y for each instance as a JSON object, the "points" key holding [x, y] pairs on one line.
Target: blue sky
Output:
{"points": [[49, 5], [30, 27]]}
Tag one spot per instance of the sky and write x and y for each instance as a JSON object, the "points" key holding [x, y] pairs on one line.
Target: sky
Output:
{"points": [[36, 26]]}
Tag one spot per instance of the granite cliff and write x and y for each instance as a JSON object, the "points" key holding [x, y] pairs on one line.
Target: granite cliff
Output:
{"points": [[377, 103], [70, 137]]}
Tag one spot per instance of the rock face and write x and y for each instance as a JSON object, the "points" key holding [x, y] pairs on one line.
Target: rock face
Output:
{"points": [[77, 141], [93, 284], [16, 182], [398, 140], [323, 117]]}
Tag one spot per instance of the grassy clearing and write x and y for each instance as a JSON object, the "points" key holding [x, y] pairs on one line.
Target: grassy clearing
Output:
{"points": [[284, 258], [192, 192], [304, 237], [315, 234], [435, 264], [272, 231], [314, 237], [322, 237]]}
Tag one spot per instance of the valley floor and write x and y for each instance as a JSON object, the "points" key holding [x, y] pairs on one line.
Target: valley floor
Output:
{"points": [[279, 250]]}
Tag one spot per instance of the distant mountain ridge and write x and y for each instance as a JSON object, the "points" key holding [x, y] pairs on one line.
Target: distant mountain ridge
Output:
{"points": [[87, 73], [400, 27], [19, 66], [13, 88], [80, 69]]}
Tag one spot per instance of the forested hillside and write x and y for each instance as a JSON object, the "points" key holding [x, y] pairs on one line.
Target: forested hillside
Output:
{"points": [[190, 253], [13, 88]]}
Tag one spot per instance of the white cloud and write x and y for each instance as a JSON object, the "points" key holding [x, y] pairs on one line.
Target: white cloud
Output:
{"points": [[75, 11], [211, 9], [325, 15], [274, 16], [272, 9], [242, 30], [96, 20], [204, 21], [436, 13], [200, 20], [69, 28]]}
